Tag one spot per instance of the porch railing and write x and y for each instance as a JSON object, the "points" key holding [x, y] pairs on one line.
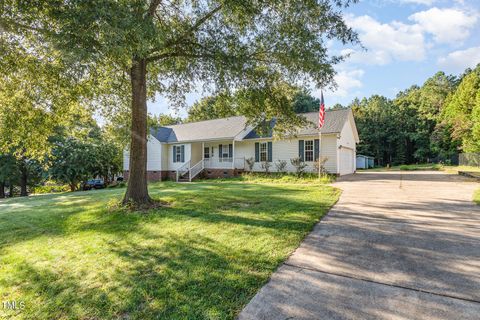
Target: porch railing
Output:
{"points": [[196, 169], [183, 170], [225, 163]]}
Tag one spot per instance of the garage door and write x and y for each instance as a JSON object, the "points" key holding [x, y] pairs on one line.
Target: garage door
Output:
{"points": [[346, 161]]}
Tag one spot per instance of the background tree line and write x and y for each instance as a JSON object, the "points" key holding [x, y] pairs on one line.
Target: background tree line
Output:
{"points": [[432, 122]]}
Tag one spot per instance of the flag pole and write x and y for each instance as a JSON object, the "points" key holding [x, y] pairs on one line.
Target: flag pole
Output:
{"points": [[320, 125], [319, 153]]}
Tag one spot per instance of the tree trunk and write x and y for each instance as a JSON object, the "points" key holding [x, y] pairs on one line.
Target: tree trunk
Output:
{"points": [[12, 189], [73, 187], [137, 192], [23, 180], [2, 189]]}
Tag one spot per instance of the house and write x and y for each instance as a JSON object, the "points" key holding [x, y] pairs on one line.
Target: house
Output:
{"points": [[221, 147]]}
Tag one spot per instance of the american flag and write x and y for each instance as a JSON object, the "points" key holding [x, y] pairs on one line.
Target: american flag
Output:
{"points": [[321, 112]]}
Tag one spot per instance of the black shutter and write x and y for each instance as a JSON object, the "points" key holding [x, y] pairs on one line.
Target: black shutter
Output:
{"points": [[257, 152], [300, 149], [174, 153], [219, 151], [230, 150], [269, 156], [316, 149], [182, 153]]}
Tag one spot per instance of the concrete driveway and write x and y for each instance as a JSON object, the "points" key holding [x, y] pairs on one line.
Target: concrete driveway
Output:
{"points": [[398, 245]]}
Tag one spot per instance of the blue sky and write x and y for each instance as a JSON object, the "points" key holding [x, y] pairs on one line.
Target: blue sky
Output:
{"points": [[407, 41]]}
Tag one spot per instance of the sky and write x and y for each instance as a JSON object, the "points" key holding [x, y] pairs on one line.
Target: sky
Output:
{"points": [[405, 42]]}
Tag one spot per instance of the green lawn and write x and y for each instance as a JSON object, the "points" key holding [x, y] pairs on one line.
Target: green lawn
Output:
{"points": [[409, 167], [427, 166], [67, 256], [476, 197], [455, 169]]}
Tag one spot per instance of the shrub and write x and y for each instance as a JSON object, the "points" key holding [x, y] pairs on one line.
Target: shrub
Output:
{"points": [[319, 165], [50, 189], [266, 166], [281, 165], [250, 163], [299, 165]]}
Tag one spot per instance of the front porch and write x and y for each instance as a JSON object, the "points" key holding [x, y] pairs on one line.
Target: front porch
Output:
{"points": [[213, 159]]}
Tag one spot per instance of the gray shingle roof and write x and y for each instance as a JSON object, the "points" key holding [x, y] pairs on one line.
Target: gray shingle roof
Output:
{"points": [[334, 121], [216, 129], [229, 128]]}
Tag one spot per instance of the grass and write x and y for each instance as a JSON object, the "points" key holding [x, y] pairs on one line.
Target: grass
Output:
{"points": [[409, 167], [68, 256], [476, 197], [427, 166], [414, 167], [456, 169], [273, 177]]}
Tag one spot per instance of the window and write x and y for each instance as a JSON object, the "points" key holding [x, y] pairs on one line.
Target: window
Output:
{"points": [[225, 152], [206, 152], [263, 152], [308, 150], [178, 153]]}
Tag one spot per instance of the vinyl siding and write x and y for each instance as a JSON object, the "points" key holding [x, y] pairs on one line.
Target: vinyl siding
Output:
{"points": [[288, 149], [166, 155], [154, 155], [347, 141], [175, 165], [197, 153], [346, 136]]}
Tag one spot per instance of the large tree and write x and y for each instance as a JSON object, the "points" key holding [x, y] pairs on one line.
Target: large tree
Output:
{"points": [[223, 105], [168, 47], [462, 112]]}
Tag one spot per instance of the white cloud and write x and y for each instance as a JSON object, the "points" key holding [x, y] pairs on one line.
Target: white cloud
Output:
{"points": [[387, 41], [447, 25], [346, 80], [424, 2], [457, 61]]}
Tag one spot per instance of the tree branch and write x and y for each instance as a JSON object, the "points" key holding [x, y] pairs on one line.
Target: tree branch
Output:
{"points": [[153, 7], [192, 29], [9, 25]]}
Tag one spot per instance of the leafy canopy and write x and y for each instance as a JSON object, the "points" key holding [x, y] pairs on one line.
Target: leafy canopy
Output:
{"points": [[223, 45]]}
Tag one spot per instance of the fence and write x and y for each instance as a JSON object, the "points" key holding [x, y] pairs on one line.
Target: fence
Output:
{"points": [[469, 159]]}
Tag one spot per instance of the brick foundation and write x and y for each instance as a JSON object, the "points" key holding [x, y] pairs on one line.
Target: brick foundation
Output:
{"points": [[220, 173], [151, 175], [172, 175]]}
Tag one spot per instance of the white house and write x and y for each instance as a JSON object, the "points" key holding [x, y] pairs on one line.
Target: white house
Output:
{"points": [[221, 147]]}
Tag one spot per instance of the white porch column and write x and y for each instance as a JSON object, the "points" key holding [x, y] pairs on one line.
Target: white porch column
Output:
{"points": [[233, 154], [203, 151]]}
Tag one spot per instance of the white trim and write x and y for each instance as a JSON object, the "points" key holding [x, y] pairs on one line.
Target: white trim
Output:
{"points": [[305, 150], [302, 136]]}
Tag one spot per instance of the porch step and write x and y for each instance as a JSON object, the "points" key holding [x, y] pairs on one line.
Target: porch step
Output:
{"points": [[183, 180]]}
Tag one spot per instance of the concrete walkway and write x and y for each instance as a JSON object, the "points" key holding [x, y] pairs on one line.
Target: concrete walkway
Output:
{"points": [[398, 245]]}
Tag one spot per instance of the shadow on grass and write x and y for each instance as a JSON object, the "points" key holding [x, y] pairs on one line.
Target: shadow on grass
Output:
{"points": [[167, 281], [202, 258]]}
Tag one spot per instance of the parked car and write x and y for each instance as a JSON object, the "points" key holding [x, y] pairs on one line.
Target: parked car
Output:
{"points": [[94, 184], [119, 179]]}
